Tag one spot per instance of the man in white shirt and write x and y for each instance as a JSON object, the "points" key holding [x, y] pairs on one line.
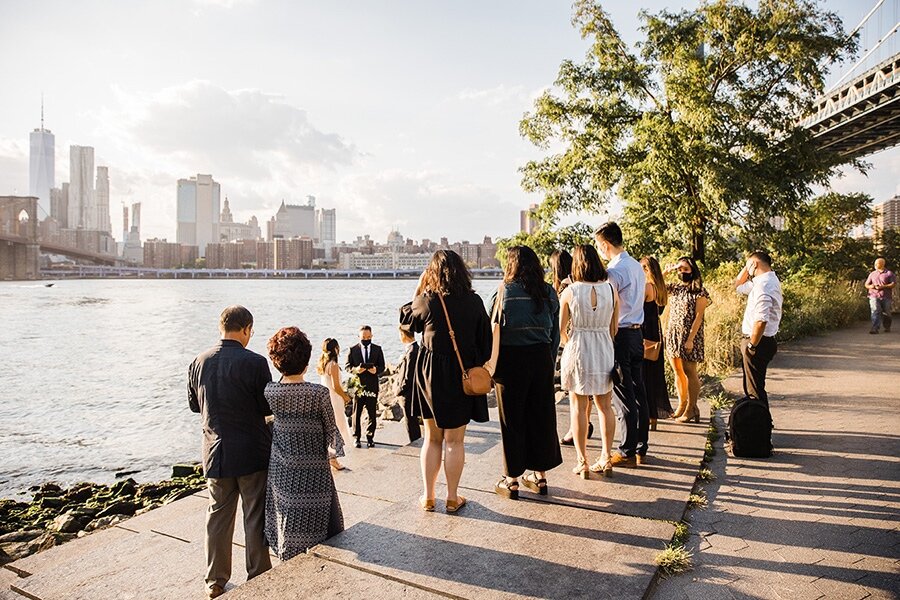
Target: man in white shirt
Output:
{"points": [[627, 275], [762, 316]]}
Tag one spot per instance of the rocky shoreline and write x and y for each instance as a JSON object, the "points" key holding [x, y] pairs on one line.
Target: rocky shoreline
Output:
{"points": [[56, 515]]}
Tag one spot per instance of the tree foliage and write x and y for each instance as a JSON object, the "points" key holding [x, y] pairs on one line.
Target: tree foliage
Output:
{"points": [[545, 240], [697, 131]]}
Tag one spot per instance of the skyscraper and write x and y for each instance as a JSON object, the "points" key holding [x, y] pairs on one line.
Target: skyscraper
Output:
{"points": [[101, 201], [198, 211], [42, 167], [82, 211], [887, 216], [131, 238], [59, 204], [527, 222], [326, 230]]}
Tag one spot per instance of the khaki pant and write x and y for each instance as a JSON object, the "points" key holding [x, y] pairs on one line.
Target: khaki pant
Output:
{"points": [[223, 496]]}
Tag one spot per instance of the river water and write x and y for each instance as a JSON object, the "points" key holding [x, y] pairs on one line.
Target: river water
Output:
{"points": [[93, 372]]}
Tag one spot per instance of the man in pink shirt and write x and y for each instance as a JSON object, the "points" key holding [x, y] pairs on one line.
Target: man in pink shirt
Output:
{"points": [[880, 285]]}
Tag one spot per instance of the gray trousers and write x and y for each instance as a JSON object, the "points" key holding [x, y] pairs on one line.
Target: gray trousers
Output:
{"points": [[223, 497]]}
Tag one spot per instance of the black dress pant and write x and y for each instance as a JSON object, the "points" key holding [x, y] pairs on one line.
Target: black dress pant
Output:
{"points": [[527, 403], [413, 429], [634, 420], [756, 365], [370, 404]]}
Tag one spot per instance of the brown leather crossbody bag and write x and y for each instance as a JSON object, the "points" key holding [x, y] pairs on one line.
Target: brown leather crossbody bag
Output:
{"points": [[476, 381]]}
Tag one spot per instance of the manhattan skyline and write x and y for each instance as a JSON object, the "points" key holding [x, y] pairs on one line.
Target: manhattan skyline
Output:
{"points": [[378, 111]]}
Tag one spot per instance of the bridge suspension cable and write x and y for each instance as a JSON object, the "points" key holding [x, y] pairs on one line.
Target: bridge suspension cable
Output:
{"points": [[878, 44]]}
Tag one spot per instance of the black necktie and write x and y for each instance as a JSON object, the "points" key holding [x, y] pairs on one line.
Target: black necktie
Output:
{"points": [[365, 354]]}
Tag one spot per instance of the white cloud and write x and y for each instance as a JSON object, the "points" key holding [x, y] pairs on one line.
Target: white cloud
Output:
{"points": [[501, 95], [13, 167], [420, 204], [223, 3], [258, 146], [246, 133]]}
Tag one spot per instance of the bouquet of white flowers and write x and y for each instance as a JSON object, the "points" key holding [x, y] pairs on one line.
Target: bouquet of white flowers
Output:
{"points": [[356, 389]]}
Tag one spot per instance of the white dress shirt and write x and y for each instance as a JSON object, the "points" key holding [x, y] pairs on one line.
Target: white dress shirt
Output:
{"points": [[627, 275], [764, 302]]}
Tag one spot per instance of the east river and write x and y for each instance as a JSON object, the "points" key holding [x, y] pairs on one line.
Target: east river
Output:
{"points": [[93, 372]]}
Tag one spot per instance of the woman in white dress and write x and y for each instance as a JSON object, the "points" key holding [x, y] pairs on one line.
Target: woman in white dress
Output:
{"points": [[588, 321], [330, 373]]}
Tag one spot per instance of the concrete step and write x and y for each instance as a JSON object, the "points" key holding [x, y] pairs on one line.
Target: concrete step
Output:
{"points": [[308, 576], [591, 539], [496, 548]]}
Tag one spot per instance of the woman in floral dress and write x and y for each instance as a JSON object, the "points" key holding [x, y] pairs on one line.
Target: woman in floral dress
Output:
{"points": [[688, 300]]}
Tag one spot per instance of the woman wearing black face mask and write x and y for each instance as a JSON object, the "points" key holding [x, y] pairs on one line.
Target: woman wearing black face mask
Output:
{"points": [[688, 300]]}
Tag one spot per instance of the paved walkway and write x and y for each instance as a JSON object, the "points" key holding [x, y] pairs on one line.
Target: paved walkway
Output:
{"points": [[819, 519]]}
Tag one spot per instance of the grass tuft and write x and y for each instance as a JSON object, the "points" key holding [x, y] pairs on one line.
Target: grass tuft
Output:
{"points": [[706, 475], [674, 560], [698, 500], [722, 400]]}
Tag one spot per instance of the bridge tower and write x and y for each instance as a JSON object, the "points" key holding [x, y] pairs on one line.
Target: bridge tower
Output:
{"points": [[19, 244]]}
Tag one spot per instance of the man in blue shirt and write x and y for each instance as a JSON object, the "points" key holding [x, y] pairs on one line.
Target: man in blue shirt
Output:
{"points": [[627, 275]]}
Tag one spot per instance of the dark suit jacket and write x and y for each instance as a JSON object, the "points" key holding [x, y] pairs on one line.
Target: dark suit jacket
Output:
{"points": [[407, 372], [226, 385], [376, 357]]}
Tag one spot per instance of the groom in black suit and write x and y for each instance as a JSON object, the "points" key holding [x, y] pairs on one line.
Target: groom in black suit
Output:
{"points": [[367, 360]]}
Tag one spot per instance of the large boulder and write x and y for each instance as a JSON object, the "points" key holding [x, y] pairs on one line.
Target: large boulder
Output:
{"points": [[186, 470], [122, 507], [67, 523]]}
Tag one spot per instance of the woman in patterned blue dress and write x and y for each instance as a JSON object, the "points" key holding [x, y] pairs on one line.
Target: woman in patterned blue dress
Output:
{"points": [[302, 507]]}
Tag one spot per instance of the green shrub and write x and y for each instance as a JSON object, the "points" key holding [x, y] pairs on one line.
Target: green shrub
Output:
{"points": [[813, 303]]}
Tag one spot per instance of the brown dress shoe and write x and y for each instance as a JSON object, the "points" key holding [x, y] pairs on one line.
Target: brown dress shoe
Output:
{"points": [[620, 460], [214, 591]]}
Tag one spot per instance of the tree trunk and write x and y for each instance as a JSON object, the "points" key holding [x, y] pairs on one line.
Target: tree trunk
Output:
{"points": [[698, 244]]}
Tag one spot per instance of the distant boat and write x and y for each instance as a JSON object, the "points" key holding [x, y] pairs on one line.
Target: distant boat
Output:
{"points": [[48, 285]]}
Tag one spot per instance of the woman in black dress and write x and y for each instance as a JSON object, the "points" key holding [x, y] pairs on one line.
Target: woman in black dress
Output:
{"points": [[444, 407], [654, 371], [526, 309]]}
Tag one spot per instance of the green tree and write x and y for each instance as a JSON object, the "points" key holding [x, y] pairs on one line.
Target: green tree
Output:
{"points": [[545, 240], [816, 235], [698, 131]]}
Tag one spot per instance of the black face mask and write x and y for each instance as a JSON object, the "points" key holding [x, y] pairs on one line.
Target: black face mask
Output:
{"points": [[366, 342], [686, 277]]}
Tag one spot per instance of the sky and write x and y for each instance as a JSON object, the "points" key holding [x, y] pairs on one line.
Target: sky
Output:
{"points": [[401, 115]]}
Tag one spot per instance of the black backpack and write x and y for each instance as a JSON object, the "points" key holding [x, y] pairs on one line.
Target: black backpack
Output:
{"points": [[750, 429]]}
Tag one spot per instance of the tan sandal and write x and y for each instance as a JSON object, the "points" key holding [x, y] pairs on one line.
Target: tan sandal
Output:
{"points": [[335, 464], [426, 504], [454, 506]]}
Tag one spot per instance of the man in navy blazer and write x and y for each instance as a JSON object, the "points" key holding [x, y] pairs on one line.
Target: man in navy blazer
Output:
{"points": [[226, 385], [366, 360]]}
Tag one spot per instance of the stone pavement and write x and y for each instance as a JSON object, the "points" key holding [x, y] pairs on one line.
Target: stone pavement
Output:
{"points": [[587, 539], [821, 518]]}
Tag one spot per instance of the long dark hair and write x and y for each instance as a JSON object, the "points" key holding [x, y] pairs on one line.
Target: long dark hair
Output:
{"points": [[330, 349], [447, 274], [560, 267], [524, 267], [659, 282], [697, 282], [586, 264]]}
